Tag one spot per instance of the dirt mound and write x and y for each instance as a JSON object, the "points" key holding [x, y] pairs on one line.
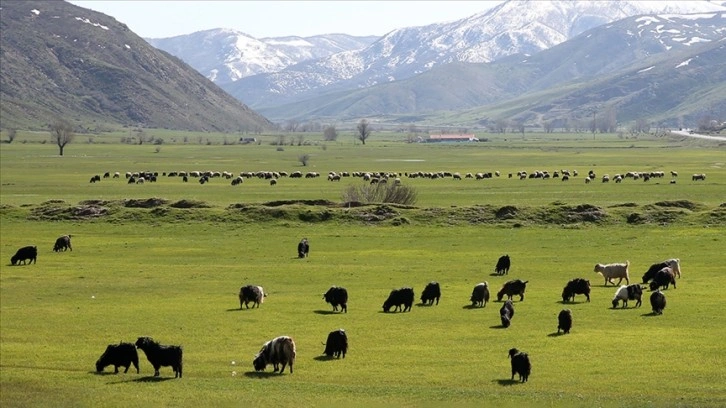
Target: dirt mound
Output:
{"points": [[147, 203], [507, 212], [189, 204], [689, 205], [326, 203]]}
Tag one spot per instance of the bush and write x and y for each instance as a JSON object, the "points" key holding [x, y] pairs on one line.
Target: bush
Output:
{"points": [[380, 193]]}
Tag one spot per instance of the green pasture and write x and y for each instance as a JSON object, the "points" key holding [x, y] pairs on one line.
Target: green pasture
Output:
{"points": [[142, 272]]}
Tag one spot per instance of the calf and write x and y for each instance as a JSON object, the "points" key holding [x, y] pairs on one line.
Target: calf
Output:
{"points": [[520, 364], [251, 293], [337, 344], [398, 298], [511, 288], [119, 355], [28, 253], [577, 286], [564, 320], [161, 356], [663, 278], [280, 350], [503, 265], [506, 313], [480, 294], [337, 296], [62, 243], [431, 292]]}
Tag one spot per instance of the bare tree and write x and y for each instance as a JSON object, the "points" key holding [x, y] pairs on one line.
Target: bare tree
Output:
{"points": [[292, 125], [549, 126], [12, 133], [364, 130], [330, 134], [61, 132], [303, 158]]}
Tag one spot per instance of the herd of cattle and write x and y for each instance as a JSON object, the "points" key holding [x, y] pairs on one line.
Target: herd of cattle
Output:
{"points": [[280, 352], [203, 177]]}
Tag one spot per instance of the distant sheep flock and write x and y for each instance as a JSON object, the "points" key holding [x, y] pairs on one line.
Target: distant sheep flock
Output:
{"points": [[234, 179], [281, 352]]}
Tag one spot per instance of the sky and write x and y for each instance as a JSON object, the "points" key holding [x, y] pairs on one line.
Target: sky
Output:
{"points": [[259, 19]]}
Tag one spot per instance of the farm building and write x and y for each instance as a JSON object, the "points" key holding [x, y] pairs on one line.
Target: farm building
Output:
{"points": [[452, 138]]}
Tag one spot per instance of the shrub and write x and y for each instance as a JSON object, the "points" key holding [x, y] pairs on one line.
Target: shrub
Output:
{"points": [[380, 193]]}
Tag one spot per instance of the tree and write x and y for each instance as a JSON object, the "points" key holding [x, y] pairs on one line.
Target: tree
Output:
{"points": [[11, 135], [330, 134], [364, 130], [304, 158], [61, 132]]}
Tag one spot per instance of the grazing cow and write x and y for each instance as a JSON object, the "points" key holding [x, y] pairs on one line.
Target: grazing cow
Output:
{"points": [[657, 302], [280, 350], [577, 286], [503, 265], [564, 320], [697, 177], [663, 279], [62, 243], [650, 273], [629, 292], [398, 298], [520, 364], [614, 270], [506, 313], [337, 344], [303, 248], [511, 288], [480, 294], [337, 295], [119, 355], [161, 356], [251, 293], [28, 253], [431, 291]]}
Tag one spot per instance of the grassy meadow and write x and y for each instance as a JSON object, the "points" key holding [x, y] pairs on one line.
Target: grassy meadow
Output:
{"points": [[174, 274]]}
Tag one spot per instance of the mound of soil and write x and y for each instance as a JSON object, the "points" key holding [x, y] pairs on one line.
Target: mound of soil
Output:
{"points": [[189, 204], [147, 203]]}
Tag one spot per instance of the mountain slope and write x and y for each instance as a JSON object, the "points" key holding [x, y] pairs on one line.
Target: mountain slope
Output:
{"points": [[513, 27], [60, 60], [596, 53], [226, 55]]}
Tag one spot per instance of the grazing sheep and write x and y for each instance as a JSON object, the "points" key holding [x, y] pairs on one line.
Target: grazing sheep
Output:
{"points": [[503, 265], [303, 248], [663, 278], [657, 302], [564, 320], [650, 273], [506, 313], [337, 295], [520, 364], [614, 270], [161, 356], [62, 243], [119, 355], [28, 253], [280, 350], [431, 292], [629, 292], [399, 297], [511, 288], [251, 293], [337, 344], [480, 294], [577, 286]]}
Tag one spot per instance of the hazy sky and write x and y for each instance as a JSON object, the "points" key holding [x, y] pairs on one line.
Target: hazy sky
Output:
{"points": [[159, 19]]}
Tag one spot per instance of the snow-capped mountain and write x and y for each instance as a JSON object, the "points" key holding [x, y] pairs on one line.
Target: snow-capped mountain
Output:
{"points": [[513, 27], [225, 55]]}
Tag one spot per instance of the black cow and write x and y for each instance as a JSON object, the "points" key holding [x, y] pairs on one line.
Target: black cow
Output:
{"points": [[564, 320], [251, 293], [28, 253], [119, 355], [337, 296], [337, 344], [161, 356], [62, 243], [657, 302], [303, 248], [506, 313], [480, 294], [431, 292], [520, 364], [511, 288], [577, 286], [663, 278], [503, 265], [399, 297]]}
